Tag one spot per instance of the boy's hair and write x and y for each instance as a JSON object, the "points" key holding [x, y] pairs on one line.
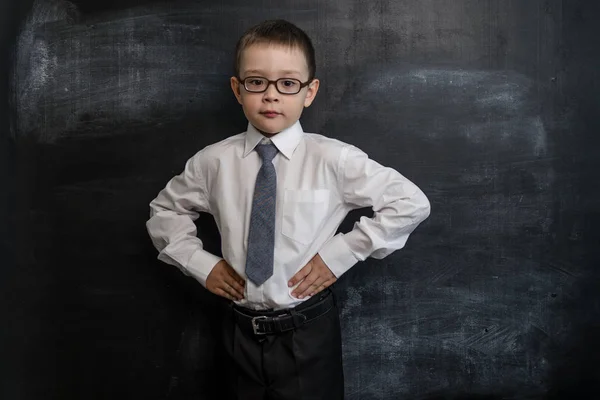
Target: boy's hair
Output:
{"points": [[279, 32]]}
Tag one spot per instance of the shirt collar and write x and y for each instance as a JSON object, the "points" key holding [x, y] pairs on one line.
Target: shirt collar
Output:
{"points": [[286, 141]]}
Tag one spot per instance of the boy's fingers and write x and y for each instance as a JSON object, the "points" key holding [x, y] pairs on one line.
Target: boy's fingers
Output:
{"points": [[231, 272], [317, 286], [323, 286], [305, 286], [236, 277], [300, 275], [223, 293], [230, 290], [228, 271], [225, 285], [234, 285]]}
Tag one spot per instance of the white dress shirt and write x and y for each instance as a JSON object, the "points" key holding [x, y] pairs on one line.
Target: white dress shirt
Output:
{"points": [[319, 180]]}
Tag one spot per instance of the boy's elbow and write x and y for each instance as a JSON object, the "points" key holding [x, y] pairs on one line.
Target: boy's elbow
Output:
{"points": [[156, 206], [424, 206], [151, 214]]}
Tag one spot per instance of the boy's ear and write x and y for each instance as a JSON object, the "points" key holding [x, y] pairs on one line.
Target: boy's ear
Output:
{"points": [[313, 88], [235, 86]]}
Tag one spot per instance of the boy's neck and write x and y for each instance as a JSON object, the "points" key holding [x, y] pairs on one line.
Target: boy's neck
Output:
{"points": [[266, 134]]}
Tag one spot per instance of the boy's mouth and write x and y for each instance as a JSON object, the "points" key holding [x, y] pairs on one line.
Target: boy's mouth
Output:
{"points": [[270, 113]]}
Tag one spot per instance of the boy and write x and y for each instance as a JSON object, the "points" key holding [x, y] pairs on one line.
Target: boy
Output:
{"points": [[278, 196]]}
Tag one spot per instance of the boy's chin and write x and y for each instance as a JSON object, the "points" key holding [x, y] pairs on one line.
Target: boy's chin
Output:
{"points": [[269, 130]]}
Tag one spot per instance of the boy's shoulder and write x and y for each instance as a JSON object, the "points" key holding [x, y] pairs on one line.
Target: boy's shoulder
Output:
{"points": [[322, 140], [325, 146], [218, 149]]}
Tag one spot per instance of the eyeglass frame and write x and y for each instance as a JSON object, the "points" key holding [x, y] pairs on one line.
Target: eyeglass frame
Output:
{"points": [[274, 83]]}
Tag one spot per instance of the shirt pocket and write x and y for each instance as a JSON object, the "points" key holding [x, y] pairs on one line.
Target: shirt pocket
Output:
{"points": [[303, 213]]}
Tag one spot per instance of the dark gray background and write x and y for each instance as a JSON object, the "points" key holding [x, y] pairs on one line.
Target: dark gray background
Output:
{"points": [[489, 106]]}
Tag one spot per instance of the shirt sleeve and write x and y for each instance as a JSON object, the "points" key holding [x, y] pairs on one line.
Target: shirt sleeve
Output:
{"points": [[171, 225], [399, 207]]}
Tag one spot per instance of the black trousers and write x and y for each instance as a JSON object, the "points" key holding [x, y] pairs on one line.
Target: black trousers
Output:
{"points": [[301, 364]]}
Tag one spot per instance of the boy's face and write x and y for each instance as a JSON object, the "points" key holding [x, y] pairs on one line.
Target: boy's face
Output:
{"points": [[271, 112]]}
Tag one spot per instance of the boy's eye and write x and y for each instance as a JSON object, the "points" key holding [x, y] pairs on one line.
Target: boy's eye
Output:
{"points": [[256, 82], [289, 83]]}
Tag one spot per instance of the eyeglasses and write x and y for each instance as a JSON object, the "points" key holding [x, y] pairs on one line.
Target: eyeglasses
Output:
{"points": [[258, 84]]}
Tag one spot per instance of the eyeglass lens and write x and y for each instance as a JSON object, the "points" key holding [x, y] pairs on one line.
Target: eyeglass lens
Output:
{"points": [[283, 85]]}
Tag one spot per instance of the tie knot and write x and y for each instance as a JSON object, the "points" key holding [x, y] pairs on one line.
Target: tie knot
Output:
{"points": [[266, 151]]}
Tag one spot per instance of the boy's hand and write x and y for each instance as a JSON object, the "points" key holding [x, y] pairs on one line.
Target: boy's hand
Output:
{"points": [[315, 277], [225, 282]]}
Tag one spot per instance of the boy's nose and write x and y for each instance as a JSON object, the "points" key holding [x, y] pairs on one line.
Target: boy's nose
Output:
{"points": [[271, 93]]}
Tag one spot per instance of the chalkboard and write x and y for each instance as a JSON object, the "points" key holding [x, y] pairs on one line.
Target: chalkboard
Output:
{"points": [[489, 106]]}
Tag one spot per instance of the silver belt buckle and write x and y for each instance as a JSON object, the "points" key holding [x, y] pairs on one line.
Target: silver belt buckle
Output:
{"points": [[255, 324]]}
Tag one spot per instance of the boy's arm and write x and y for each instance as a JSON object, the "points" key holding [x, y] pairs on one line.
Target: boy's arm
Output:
{"points": [[171, 225], [399, 206]]}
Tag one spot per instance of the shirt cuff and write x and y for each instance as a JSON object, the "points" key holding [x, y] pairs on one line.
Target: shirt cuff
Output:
{"points": [[337, 255], [201, 263]]}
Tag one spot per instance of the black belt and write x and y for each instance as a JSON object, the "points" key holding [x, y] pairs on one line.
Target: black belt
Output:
{"points": [[278, 321]]}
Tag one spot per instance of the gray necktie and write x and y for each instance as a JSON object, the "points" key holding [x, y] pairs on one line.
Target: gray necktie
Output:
{"points": [[261, 234]]}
